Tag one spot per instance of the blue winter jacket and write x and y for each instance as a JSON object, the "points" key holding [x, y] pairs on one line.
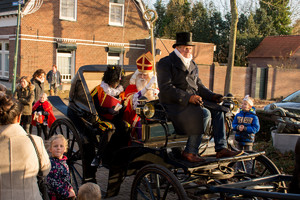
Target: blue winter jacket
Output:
{"points": [[251, 124]]}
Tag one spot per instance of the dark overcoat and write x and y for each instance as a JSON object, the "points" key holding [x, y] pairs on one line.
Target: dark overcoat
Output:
{"points": [[51, 80], [38, 90], [177, 84]]}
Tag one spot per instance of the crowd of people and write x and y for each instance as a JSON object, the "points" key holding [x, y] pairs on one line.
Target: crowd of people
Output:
{"points": [[177, 86]]}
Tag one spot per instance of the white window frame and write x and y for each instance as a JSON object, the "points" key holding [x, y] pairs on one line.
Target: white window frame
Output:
{"points": [[3, 52], [68, 55], [65, 17], [110, 13], [119, 59]]}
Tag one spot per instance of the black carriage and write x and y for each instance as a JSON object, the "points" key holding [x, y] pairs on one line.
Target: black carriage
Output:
{"points": [[155, 160]]}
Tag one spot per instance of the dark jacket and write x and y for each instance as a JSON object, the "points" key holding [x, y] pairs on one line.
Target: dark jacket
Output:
{"points": [[38, 90], [177, 85], [25, 97], [50, 78], [251, 123]]}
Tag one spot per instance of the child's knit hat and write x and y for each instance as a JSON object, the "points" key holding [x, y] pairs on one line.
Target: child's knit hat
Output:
{"points": [[249, 100]]}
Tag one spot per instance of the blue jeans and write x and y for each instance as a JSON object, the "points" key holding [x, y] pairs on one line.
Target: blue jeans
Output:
{"points": [[219, 132]]}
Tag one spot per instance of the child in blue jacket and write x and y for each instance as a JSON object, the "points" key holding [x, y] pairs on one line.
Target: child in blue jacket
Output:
{"points": [[246, 125]]}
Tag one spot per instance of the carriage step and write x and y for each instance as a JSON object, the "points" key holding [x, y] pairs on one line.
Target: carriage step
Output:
{"points": [[210, 160]]}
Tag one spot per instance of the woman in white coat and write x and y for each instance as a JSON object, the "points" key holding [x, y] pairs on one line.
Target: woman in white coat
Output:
{"points": [[19, 164]]}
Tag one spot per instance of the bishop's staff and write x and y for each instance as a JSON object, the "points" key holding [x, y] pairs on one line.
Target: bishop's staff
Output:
{"points": [[151, 16]]}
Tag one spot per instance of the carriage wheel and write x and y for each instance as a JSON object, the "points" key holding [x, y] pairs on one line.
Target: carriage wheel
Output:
{"points": [[261, 166], [156, 182], [74, 154]]}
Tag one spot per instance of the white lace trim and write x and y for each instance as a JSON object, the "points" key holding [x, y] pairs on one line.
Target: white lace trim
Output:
{"points": [[111, 91]]}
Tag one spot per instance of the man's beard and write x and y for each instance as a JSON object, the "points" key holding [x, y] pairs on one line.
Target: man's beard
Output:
{"points": [[140, 84]]}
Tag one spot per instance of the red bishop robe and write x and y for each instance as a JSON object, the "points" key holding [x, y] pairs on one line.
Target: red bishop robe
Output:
{"points": [[48, 108], [129, 114]]}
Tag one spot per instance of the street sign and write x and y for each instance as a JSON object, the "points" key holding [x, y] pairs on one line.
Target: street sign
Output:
{"points": [[18, 2]]}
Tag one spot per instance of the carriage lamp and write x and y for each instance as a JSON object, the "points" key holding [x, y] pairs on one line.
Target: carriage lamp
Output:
{"points": [[230, 102], [149, 110]]}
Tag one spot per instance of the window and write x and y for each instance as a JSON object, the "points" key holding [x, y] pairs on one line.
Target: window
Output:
{"points": [[114, 59], [116, 12], [68, 10], [4, 59], [65, 65]]}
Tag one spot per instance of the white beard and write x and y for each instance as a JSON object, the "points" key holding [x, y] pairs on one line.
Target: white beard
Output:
{"points": [[140, 83]]}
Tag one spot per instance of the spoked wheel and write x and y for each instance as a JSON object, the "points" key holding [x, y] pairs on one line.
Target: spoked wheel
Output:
{"points": [[156, 182], [74, 154], [261, 166]]}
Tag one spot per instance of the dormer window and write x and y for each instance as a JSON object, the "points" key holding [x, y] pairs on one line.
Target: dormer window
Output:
{"points": [[68, 10], [116, 12]]}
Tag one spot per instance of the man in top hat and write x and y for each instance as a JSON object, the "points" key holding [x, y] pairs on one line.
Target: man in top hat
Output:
{"points": [[142, 83], [182, 93]]}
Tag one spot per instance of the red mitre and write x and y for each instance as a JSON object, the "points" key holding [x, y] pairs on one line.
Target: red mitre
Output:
{"points": [[145, 63]]}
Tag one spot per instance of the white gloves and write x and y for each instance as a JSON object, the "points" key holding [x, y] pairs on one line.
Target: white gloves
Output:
{"points": [[148, 87], [152, 81]]}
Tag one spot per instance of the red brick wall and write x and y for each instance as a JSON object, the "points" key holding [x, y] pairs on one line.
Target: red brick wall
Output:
{"points": [[214, 79], [282, 82], [35, 55], [92, 25], [296, 58], [8, 30]]}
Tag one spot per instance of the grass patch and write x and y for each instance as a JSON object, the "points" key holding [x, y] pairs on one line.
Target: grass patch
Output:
{"points": [[285, 162]]}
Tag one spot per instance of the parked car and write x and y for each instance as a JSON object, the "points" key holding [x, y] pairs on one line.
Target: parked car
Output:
{"points": [[290, 103]]}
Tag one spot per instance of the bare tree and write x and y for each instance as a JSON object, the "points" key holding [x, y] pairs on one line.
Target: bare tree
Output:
{"points": [[232, 43]]}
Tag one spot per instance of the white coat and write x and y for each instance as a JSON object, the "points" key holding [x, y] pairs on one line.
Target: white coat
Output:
{"points": [[19, 164]]}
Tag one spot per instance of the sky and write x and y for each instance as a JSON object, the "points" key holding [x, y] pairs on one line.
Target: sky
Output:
{"points": [[243, 6]]}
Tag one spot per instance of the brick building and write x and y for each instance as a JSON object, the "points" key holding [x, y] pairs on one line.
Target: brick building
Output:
{"points": [[277, 51], [71, 33]]}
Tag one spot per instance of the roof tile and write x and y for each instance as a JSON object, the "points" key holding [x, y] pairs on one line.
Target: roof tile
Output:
{"points": [[277, 46]]}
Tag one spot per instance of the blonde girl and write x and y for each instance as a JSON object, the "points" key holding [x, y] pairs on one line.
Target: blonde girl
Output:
{"points": [[59, 176]]}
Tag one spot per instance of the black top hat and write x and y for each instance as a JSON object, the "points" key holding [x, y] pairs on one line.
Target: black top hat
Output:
{"points": [[183, 38]]}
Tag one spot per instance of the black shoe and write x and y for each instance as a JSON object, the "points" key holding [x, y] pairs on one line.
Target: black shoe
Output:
{"points": [[96, 162]]}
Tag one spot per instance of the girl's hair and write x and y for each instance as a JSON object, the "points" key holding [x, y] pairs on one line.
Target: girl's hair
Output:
{"points": [[2, 88], [43, 95], [54, 66], [26, 78], [37, 73], [10, 108], [55, 137], [113, 74]]}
